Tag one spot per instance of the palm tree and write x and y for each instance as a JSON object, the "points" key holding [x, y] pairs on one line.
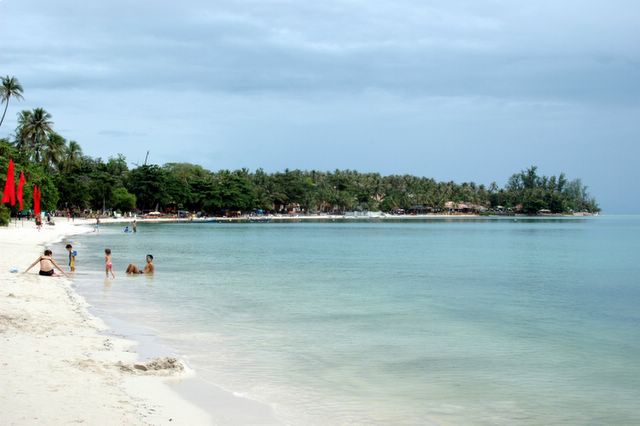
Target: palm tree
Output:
{"points": [[10, 87], [39, 127], [53, 151], [36, 131], [22, 142], [72, 156]]}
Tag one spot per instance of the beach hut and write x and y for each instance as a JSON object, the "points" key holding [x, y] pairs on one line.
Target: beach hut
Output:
{"points": [[463, 208], [153, 215], [420, 209]]}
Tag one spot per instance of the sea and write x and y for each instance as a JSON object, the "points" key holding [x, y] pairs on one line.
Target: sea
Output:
{"points": [[481, 321]]}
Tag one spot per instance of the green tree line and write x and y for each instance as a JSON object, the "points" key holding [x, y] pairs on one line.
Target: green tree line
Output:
{"points": [[73, 181]]}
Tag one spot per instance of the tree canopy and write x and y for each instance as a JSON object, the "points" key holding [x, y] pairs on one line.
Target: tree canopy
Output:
{"points": [[70, 180]]}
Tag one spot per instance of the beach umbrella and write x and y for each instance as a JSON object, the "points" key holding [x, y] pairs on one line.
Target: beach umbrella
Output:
{"points": [[9, 193], [20, 190], [36, 200]]}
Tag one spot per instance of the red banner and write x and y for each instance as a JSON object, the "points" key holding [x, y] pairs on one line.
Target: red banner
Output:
{"points": [[20, 191], [36, 200], [9, 193]]}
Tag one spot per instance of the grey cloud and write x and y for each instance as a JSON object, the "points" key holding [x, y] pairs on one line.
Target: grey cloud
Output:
{"points": [[406, 47]]}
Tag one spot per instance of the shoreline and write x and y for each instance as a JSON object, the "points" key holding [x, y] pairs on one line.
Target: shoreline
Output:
{"points": [[223, 406], [279, 218], [60, 363]]}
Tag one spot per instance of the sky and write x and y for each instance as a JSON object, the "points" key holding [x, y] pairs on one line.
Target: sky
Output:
{"points": [[471, 90]]}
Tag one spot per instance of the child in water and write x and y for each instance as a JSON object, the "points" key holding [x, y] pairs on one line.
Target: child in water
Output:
{"points": [[108, 265], [72, 257]]}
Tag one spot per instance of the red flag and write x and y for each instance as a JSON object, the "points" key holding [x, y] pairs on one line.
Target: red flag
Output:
{"points": [[9, 194], [36, 200], [20, 191]]}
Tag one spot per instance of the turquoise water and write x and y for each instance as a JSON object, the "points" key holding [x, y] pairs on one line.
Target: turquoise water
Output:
{"points": [[435, 322]]}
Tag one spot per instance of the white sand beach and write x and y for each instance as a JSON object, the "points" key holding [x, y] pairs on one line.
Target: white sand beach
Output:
{"points": [[57, 365]]}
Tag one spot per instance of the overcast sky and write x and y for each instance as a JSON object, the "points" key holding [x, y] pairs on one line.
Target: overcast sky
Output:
{"points": [[456, 90]]}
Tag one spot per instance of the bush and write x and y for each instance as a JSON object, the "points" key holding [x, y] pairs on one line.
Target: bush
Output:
{"points": [[123, 200], [5, 215]]}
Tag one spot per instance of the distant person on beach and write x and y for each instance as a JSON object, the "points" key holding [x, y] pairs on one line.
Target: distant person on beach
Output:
{"points": [[38, 222], [97, 228], [148, 269], [108, 264], [134, 226], [72, 257], [47, 265]]}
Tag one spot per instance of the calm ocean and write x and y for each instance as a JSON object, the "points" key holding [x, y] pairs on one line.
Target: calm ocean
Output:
{"points": [[487, 321]]}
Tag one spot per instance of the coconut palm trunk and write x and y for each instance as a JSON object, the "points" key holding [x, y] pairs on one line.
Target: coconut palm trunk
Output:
{"points": [[10, 87], [4, 112]]}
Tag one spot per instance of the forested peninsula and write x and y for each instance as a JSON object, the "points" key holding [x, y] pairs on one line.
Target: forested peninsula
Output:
{"points": [[74, 182]]}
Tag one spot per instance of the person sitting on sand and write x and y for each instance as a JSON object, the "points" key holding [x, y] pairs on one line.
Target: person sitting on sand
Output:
{"points": [[47, 265], [148, 269]]}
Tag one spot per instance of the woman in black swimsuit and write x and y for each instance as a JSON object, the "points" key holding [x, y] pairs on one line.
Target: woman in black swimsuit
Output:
{"points": [[46, 265]]}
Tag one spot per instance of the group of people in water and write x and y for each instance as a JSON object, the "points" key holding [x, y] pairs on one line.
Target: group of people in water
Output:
{"points": [[48, 265]]}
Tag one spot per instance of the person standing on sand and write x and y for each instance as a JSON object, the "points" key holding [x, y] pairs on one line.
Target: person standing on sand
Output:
{"points": [[47, 265], [108, 264], [148, 269]]}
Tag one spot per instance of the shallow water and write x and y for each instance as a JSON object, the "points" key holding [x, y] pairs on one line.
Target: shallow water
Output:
{"points": [[476, 321]]}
